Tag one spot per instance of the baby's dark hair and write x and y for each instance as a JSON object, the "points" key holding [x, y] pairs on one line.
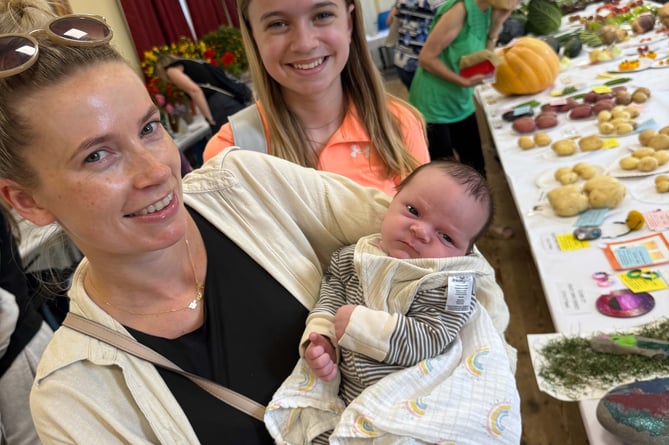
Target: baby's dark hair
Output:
{"points": [[474, 182]]}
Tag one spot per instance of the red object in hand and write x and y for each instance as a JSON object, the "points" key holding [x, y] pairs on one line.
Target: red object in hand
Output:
{"points": [[485, 68]]}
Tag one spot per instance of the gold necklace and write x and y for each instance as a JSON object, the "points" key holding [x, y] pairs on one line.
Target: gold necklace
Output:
{"points": [[199, 294]]}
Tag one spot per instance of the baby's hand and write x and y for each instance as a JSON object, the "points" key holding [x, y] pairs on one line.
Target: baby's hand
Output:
{"points": [[320, 356], [342, 318]]}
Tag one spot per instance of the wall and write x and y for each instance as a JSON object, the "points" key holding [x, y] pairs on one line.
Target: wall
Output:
{"points": [[111, 11], [370, 12]]}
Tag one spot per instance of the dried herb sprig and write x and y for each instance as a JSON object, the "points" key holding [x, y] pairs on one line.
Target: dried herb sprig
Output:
{"points": [[570, 364]]}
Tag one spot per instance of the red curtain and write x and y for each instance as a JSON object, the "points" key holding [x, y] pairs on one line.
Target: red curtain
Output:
{"points": [[207, 15], [154, 23], [231, 7]]}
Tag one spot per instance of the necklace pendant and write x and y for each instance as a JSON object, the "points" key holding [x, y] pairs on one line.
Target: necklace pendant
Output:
{"points": [[193, 304]]}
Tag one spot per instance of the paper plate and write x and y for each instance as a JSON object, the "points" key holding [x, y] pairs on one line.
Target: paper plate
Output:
{"points": [[644, 190], [546, 180], [623, 303], [615, 170], [644, 64], [659, 64]]}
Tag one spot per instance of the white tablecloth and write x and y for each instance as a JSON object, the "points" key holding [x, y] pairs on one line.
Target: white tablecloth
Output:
{"points": [[567, 280]]}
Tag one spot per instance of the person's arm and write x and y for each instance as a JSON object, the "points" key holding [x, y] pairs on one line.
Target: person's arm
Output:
{"points": [[497, 19], [391, 16], [9, 314], [441, 36], [186, 84], [405, 339]]}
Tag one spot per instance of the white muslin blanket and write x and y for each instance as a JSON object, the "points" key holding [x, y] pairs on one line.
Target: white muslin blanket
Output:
{"points": [[467, 395]]}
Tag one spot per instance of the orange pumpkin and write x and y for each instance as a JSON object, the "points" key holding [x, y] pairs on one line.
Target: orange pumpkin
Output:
{"points": [[528, 66]]}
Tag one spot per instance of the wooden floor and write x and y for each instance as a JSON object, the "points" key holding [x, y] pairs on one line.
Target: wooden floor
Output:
{"points": [[546, 421]]}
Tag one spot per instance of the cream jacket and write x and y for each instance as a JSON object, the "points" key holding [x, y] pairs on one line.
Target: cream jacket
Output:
{"points": [[287, 218]]}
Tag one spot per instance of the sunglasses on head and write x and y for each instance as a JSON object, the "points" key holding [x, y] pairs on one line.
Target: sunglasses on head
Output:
{"points": [[18, 52]]}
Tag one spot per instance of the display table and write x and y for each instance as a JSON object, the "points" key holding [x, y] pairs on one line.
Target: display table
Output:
{"points": [[569, 288]]}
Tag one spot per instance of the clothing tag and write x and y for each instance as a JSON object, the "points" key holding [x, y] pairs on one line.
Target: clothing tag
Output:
{"points": [[459, 292]]}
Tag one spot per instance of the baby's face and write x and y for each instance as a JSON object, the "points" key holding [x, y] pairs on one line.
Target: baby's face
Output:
{"points": [[431, 217]]}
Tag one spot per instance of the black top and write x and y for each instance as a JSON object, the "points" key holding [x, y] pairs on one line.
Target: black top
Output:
{"points": [[13, 279], [198, 73], [248, 342]]}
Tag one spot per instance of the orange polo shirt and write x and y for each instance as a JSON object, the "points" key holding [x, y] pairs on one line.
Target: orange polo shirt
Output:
{"points": [[349, 151]]}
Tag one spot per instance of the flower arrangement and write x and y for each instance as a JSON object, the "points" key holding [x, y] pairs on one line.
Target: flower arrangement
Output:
{"points": [[172, 102], [222, 47]]}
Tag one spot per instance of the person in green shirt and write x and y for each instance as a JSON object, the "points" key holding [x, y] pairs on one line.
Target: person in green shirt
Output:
{"points": [[459, 28]]}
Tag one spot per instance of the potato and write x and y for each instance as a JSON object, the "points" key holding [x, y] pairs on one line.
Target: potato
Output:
{"points": [[607, 128], [601, 105], [643, 152], [568, 200], [588, 172], [662, 186], [526, 142], [546, 119], [623, 97], [639, 97], [562, 171], [647, 164], [604, 116], [664, 130], [662, 156], [629, 163], [643, 90], [645, 135], [580, 166], [659, 142], [661, 178], [524, 124], [604, 192], [542, 139], [632, 111], [590, 143], [624, 128], [581, 111], [568, 178], [564, 147]]}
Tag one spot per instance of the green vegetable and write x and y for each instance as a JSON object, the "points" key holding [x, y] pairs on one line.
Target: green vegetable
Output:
{"points": [[531, 103], [572, 48], [543, 17], [617, 81]]}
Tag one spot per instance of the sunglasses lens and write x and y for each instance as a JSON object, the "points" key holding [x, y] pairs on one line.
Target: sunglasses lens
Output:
{"points": [[81, 29], [15, 52]]}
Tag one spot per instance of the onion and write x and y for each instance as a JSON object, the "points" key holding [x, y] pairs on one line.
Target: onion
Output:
{"points": [[643, 23]]}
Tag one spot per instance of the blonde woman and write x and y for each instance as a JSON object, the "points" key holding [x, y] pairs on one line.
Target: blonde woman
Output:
{"points": [[320, 98]]}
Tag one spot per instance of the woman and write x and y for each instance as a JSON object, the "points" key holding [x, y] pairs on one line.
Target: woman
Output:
{"points": [[23, 337], [445, 98], [218, 275], [196, 79], [321, 99]]}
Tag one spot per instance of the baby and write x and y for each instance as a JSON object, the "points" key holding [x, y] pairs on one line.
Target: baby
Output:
{"points": [[439, 212]]}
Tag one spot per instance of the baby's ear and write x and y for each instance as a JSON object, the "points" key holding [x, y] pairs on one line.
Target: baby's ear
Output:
{"points": [[23, 202]]}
